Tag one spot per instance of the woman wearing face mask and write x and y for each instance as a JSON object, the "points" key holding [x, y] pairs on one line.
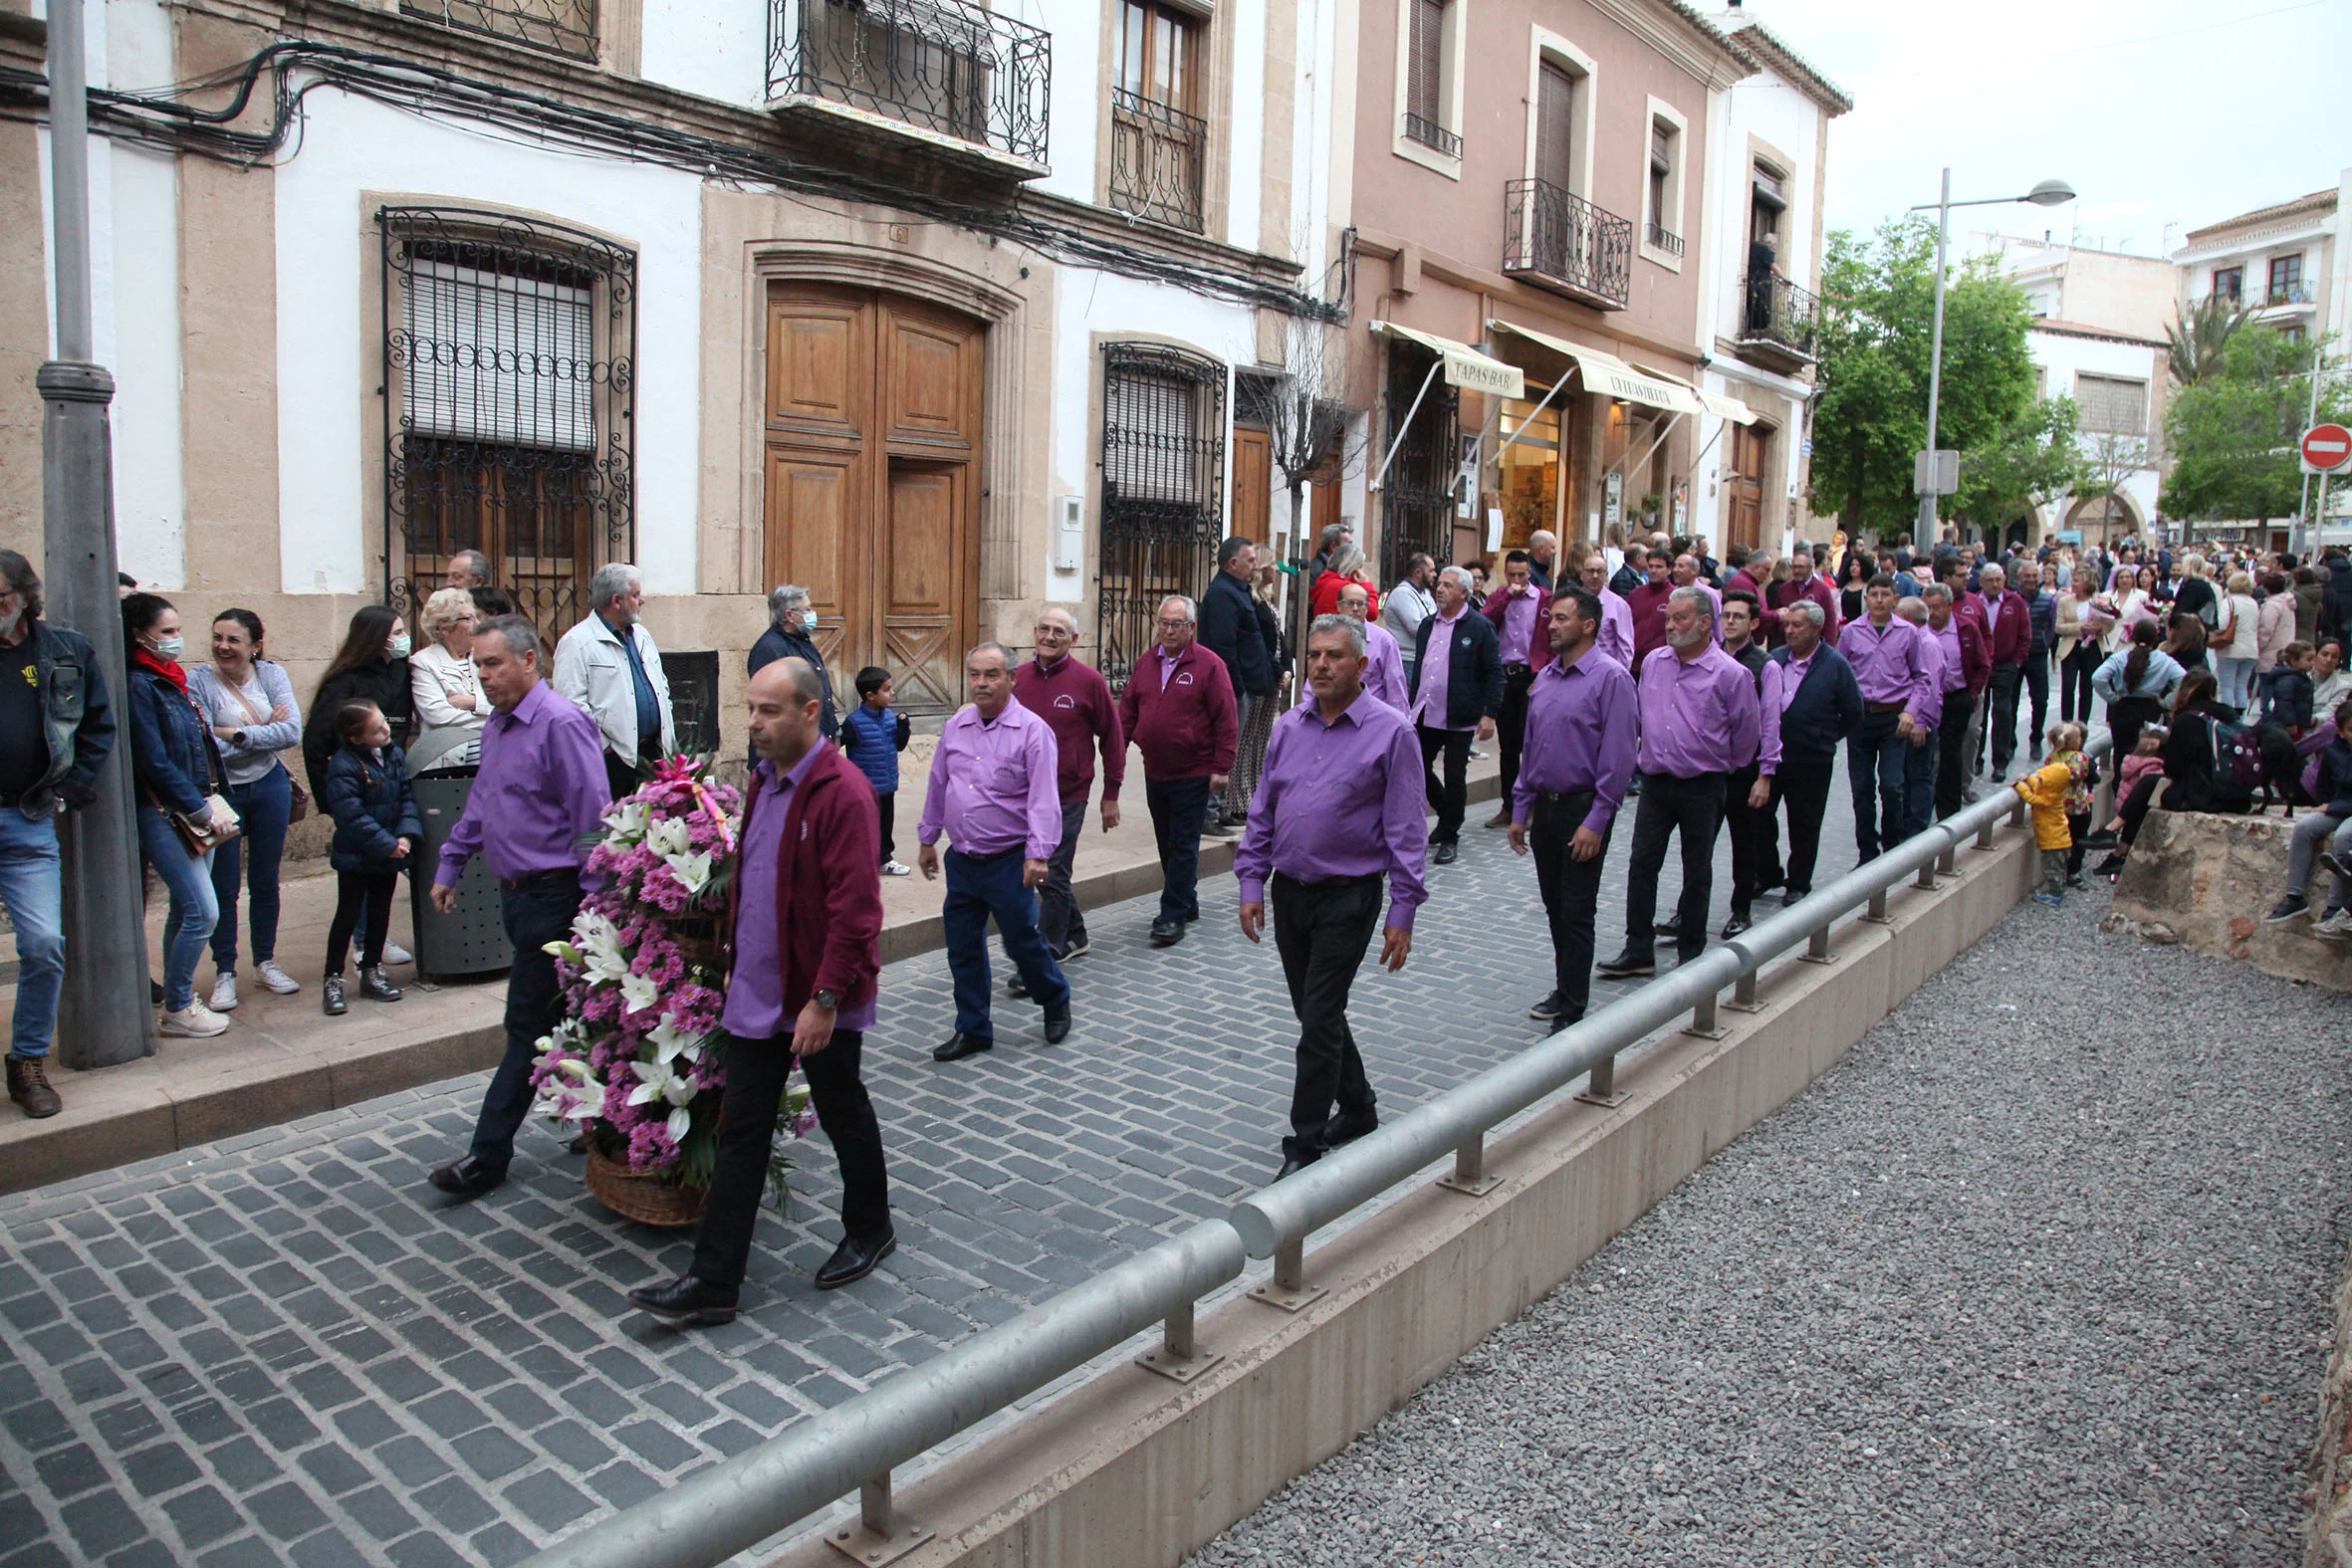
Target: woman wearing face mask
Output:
{"points": [[250, 706], [174, 767], [794, 636], [371, 666]]}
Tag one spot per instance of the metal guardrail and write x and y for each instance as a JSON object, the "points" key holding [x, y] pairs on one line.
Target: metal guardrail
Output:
{"points": [[739, 1503]]}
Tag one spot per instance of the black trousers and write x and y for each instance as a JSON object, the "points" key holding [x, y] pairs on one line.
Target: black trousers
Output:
{"points": [[362, 902], [757, 1072], [1804, 785], [2127, 717], [1512, 725], [1755, 838], [1059, 920], [1447, 801], [1571, 891], [2037, 687], [2074, 677], [1178, 808], [534, 913], [886, 808], [1321, 928], [1951, 745], [2002, 727], [1694, 807]]}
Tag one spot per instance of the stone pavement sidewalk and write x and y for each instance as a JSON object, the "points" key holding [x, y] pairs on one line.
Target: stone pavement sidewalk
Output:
{"points": [[282, 1059], [286, 1348]]}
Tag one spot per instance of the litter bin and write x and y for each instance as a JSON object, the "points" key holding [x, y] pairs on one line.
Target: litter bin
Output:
{"points": [[471, 938]]}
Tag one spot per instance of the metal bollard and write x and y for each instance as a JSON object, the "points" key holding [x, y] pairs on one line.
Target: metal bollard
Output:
{"points": [[1470, 1176], [1288, 1289], [882, 1534], [1179, 1358]]}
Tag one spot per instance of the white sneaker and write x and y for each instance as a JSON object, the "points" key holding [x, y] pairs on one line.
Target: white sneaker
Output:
{"points": [[394, 953], [224, 992], [893, 868], [275, 979], [195, 1020]]}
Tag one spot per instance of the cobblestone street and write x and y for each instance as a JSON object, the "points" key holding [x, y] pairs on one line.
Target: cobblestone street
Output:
{"points": [[286, 1347]]}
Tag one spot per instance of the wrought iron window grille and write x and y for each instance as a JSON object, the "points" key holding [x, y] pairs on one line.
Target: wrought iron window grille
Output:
{"points": [[563, 27], [1417, 498], [942, 66], [1432, 136], [1163, 488], [1158, 156], [1663, 239], [509, 405], [1556, 237]]}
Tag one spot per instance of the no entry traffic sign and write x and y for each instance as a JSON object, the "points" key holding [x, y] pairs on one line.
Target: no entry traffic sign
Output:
{"points": [[2327, 449]]}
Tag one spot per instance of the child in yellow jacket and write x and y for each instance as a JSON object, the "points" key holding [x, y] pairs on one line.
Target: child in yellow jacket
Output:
{"points": [[2045, 789]]}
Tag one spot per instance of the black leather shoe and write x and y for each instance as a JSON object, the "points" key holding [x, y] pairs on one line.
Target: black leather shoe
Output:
{"points": [[1348, 1126], [1446, 854], [1734, 926], [2101, 841], [1668, 928], [1772, 879], [376, 988], [686, 1301], [1057, 1024], [468, 1178], [956, 1046], [1293, 1164], [1794, 895], [1550, 1010], [853, 1260], [1627, 967], [1166, 933], [1016, 986]]}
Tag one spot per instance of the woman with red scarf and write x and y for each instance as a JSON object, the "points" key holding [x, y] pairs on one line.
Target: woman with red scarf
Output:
{"points": [[174, 770]]}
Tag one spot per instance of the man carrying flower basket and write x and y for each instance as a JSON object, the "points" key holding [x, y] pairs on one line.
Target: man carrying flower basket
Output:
{"points": [[806, 925]]}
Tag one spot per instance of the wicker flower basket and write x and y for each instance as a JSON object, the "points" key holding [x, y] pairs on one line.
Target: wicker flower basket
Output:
{"points": [[698, 941], [649, 1198]]}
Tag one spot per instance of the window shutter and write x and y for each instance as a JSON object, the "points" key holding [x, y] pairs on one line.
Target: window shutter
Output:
{"points": [[511, 363], [1151, 439], [1425, 58], [1555, 101]]}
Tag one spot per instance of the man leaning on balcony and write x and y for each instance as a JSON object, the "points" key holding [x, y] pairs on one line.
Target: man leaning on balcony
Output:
{"points": [[1763, 252]]}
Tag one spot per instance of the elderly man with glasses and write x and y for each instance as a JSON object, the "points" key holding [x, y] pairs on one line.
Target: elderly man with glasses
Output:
{"points": [[1179, 708], [1075, 702]]}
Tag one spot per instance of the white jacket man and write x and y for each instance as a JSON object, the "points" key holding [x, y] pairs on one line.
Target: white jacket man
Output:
{"points": [[595, 668]]}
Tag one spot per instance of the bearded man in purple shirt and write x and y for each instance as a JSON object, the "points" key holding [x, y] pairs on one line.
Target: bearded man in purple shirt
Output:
{"points": [[1339, 806], [543, 784], [1582, 721]]}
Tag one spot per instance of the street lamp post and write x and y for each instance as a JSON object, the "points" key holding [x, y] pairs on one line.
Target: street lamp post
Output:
{"points": [[103, 1016], [2050, 194]]}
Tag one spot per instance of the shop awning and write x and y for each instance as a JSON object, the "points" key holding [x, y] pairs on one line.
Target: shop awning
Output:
{"points": [[1606, 373], [1714, 403], [1464, 365]]}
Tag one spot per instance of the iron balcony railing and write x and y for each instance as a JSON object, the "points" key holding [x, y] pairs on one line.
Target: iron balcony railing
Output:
{"points": [[942, 66], [2288, 294], [1781, 313], [564, 27], [1664, 239], [1557, 238], [1433, 136], [737, 1503], [1158, 157]]}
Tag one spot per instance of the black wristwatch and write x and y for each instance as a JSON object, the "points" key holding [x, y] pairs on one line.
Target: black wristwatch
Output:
{"points": [[827, 1000]]}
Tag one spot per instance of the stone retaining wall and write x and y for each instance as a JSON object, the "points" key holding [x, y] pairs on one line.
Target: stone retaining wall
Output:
{"points": [[2329, 1542], [2206, 882]]}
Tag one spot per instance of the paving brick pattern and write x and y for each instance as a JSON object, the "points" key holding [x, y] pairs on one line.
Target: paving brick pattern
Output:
{"points": [[286, 1348]]}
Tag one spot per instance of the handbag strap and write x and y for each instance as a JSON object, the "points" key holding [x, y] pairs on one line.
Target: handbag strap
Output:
{"points": [[253, 715]]}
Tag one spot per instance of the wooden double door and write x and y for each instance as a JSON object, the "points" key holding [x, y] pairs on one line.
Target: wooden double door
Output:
{"points": [[1744, 483], [872, 481]]}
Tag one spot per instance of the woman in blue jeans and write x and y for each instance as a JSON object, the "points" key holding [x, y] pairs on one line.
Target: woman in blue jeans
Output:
{"points": [[172, 770], [249, 703]]}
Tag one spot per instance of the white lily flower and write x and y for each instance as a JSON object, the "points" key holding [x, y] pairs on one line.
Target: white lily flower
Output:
{"points": [[668, 838], [693, 871], [681, 1121], [638, 993], [627, 824], [670, 1043]]}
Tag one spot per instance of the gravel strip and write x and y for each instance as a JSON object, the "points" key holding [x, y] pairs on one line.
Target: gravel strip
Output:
{"points": [[2040, 1274]]}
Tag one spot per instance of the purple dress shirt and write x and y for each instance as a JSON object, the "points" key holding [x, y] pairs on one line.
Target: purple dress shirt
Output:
{"points": [[1518, 624], [1384, 668], [1615, 638], [543, 783], [1772, 698], [1437, 672], [1792, 676], [1952, 655], [1583, 721], [1344, 798], [755, 992], [1888, 662], [1926, 712], [993, 786], [1699, 716]]}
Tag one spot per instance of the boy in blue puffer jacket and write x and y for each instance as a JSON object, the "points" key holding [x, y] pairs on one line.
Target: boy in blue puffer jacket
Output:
{"points": [[872, 736], [375, 831]]}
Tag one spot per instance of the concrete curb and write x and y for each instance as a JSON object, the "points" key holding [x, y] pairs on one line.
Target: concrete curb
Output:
{"points": [[171, 1115], [1129, 1471]]}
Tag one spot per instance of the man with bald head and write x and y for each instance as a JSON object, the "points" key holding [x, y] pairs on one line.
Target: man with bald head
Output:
{"points": [[1615, 638], [801, 990], [1384, 660]]}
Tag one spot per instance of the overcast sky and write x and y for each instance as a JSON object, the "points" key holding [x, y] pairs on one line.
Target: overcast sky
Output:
{"points": [[2179, 112]]}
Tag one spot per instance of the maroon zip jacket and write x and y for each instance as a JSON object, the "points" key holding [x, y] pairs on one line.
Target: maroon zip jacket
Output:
{"points": [[1190, 729], [828, 886], [1075, 702], [1767, 615], [2013, 634]]}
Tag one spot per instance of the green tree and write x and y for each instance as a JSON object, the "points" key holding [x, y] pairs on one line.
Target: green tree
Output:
{"points": [[2196, 344], [2024, 465], [2232, 432], [1878, 299]]}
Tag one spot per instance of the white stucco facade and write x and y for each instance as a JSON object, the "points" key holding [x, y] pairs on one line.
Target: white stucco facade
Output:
{"points": [[2064, 359]]}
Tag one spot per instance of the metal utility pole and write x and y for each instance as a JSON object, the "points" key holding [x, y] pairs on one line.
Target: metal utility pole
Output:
{"points": [[103, 1018], [2301, 536]]}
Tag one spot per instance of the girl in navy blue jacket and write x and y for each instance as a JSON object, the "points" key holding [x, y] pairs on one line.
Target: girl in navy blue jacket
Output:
{"points": [[375, 832]]}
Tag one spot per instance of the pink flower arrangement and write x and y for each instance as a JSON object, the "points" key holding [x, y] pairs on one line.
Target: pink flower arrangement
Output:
{"points": [[635, 1060]]}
